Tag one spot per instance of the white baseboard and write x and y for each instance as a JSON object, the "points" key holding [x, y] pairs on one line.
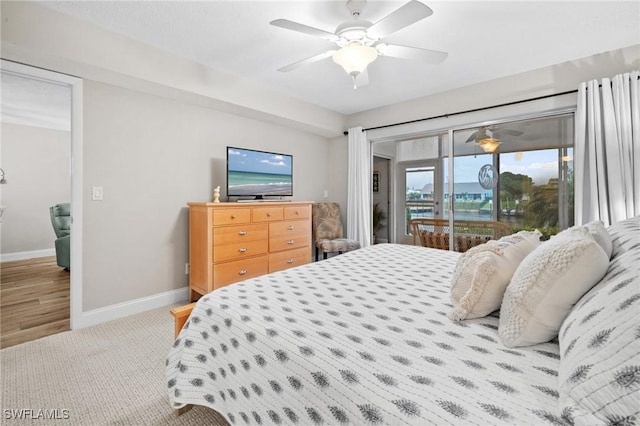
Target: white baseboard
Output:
{"points": [[23, 255], [124, 309]]}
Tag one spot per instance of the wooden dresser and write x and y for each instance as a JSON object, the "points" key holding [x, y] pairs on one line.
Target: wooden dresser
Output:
{"points": [[230, 242]]}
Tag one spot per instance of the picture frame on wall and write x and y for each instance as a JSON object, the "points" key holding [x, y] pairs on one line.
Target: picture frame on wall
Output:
{"points": [[376, 181]]}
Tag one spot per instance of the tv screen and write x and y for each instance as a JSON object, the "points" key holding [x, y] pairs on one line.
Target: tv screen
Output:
{"points": [[258, 173]]}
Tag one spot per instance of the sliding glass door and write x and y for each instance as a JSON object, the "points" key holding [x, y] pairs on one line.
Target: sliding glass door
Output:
{"points": [[419, 182], [519, 173], [494, 178]]}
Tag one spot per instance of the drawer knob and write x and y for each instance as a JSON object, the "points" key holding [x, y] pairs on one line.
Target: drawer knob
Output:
{"points": [[290, 242], [297, 212], [289, 260], [233, 216], [290, 227], [242, 272], [268, 214], [242, 233], [242, 249]]}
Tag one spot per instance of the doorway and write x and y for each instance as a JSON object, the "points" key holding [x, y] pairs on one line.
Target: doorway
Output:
{"points": [[38, 93], [422, 181], [416, 181], [381, 199]]}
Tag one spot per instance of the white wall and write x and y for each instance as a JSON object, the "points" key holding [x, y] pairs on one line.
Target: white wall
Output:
{"points": [[155, 128], [550, 80], [154, 132], [36, 161], [541, 82], [338, 169], [35, 35], [152, 155]]}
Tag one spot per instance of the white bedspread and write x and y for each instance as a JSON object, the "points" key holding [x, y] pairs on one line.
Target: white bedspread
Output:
{"points": [[361, 338]]}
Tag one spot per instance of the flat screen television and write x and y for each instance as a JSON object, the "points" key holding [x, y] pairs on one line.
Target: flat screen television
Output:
{"points": [[258, 174]]}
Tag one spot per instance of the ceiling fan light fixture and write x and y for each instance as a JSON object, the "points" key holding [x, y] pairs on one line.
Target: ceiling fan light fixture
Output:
{"points": [[355, 57], [489, 144]]}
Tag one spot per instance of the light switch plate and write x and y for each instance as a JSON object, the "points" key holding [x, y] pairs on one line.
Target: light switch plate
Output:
{"points": [[97, 193]]}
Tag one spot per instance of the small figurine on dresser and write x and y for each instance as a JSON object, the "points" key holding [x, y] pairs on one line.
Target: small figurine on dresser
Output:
{"points": [[216, 194]]}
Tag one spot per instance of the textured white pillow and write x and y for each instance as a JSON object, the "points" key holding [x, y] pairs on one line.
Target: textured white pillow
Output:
{"points": [[546, 285], [483, 273]]}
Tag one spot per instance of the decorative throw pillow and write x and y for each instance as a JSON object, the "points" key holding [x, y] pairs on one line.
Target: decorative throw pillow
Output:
{"points": [[546, 285], [625, 235], [601, 235], [483, 273], [599, 372]]}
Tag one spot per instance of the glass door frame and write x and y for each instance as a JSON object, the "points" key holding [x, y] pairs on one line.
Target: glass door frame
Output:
{"points": [[451, 156], [445, 124], [438, 192]]}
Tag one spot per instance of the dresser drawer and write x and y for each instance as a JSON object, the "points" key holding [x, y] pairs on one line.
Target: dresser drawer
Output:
{"points": [[231, 216], [288, 242], [289, 259], [239, 250], [297, 212], [239, 233], [290, 227], [231, 272], [266, 214]]}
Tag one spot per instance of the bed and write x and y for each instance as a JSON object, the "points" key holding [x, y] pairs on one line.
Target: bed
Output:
{"points": [[363, 338]]}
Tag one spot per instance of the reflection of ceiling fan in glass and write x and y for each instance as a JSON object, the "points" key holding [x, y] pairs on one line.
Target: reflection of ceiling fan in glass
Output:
{"points": [[489, 137], [360, 42]]}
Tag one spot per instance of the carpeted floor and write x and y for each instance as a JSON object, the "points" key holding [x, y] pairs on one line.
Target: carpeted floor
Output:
{"points": [[109, 374]]}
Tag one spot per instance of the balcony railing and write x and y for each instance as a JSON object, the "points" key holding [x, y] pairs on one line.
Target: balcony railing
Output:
{"points": [[420, 208]]}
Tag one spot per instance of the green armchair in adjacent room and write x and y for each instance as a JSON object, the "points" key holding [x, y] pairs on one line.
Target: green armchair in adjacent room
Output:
{"points": [[61, 221]]}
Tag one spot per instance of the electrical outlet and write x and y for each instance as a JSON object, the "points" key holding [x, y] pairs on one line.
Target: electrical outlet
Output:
{"points": [[187, 268]]}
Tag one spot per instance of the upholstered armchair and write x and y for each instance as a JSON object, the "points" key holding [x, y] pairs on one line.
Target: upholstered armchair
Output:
{"points": [[61, 221], [328, 232]]}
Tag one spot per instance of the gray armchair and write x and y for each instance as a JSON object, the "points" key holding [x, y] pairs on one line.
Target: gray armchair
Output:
{"points": [[61, 221]]}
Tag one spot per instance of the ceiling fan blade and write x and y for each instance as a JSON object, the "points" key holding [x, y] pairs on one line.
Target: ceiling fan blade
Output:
{"points": [[508, 132], [307, 61], [305, 29], [472, 137], [406, 15], [413, 53]]}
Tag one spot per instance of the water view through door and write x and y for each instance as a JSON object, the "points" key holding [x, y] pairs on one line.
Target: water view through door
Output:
{"points": [[421, 200], [422, 192]]}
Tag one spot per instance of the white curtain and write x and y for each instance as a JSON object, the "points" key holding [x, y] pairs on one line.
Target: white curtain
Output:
{"points": [[359, 190], [607, 149]]}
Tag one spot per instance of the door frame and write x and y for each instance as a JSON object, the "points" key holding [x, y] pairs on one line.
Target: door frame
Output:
{"points": [[76, 87], [400, 208]]}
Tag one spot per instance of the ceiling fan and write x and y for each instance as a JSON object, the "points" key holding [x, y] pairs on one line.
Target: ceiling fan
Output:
{"points": [[359, 42], [489, 137]]}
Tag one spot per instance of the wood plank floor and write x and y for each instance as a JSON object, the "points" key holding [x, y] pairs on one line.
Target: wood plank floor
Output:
{"points": [[34, 300]]}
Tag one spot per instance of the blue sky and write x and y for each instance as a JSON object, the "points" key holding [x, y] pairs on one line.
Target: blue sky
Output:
{"points": [[259, 162]]}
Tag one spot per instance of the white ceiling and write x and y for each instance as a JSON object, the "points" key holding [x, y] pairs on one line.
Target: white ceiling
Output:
{"points": [[32, 102], [485, 41]]}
